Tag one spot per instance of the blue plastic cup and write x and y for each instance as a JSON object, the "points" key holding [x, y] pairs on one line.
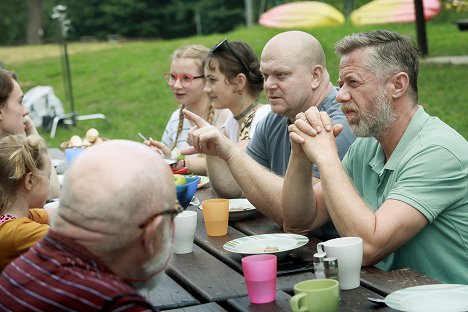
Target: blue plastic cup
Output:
{"points": [[71, 154]]}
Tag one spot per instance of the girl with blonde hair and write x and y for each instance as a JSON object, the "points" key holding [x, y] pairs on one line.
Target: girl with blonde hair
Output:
{"points": [[24, 186]]}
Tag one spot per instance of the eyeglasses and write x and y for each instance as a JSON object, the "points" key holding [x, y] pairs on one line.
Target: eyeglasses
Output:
{"points": [[225, 41], [185, 79], [171, 212]]}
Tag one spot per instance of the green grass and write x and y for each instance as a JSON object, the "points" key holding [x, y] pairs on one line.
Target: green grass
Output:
{"points": [[125, 81]]}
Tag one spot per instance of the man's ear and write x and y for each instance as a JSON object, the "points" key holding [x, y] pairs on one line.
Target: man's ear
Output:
{"points": [[153, 232], [317, 75], [29, 181], [400, 83]]}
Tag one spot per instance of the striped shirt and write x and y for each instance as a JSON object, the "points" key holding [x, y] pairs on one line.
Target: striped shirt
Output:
{"points": [[57, 274]]}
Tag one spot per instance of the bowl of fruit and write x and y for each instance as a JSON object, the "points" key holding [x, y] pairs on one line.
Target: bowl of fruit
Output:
{"points": [[186, 186]]}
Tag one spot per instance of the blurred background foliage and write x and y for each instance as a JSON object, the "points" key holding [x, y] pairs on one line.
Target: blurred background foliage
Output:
{"points": [[28, 21]]}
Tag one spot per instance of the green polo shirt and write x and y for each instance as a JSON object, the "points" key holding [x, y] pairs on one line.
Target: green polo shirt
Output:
{"points": [[429, 171]]}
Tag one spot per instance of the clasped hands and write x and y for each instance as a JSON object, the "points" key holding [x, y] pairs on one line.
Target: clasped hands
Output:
{"points": [[315, 133]]}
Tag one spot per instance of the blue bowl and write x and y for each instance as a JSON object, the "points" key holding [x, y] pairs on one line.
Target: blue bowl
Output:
{"points": [[186, 191]]}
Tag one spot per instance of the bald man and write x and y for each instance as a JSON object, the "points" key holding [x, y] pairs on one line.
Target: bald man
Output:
{"points": [[294, 68], [112, 234]]}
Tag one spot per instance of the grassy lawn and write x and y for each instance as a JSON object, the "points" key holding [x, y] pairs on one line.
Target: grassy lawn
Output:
{"points": [[125, 81]]}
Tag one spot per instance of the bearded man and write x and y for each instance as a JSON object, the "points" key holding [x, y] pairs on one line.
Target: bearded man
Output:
{"points": [[402, 186]]}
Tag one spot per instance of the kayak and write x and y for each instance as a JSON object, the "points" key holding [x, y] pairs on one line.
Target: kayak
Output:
{"points": [[301, 14]]}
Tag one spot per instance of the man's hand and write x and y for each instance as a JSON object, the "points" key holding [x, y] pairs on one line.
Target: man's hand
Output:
{"points": [[314, 131], [206, 139]]}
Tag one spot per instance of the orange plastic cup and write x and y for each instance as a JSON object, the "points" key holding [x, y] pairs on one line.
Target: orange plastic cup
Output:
{"points": [[216, 216]]}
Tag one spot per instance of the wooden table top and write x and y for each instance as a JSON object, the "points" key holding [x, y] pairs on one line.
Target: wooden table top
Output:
{"points": [[210, 278]]}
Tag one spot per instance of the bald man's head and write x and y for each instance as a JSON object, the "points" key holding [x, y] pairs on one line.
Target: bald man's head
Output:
{"points": [[297, 46], [114, 186]]}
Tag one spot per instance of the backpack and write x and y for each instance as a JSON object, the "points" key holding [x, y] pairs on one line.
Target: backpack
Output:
{"points": [[43, 106]]}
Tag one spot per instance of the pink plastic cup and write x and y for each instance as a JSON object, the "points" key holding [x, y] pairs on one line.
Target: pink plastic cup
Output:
{"points": [[260, 277]]}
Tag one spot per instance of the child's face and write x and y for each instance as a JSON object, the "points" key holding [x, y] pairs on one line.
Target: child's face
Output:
{"points": [[41, 188]]}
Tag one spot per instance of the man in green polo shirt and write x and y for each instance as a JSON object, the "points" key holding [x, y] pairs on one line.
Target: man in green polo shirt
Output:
{"points": [[403, 185]]}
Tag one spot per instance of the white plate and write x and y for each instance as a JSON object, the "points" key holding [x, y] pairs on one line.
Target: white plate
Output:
{"points": [[240, 208], [169, 161], [427, 298], [57, 162], [257, 244], [203, 181]]}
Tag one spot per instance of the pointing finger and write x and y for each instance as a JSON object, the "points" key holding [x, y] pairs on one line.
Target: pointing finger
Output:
{"points": [[197, 120]]}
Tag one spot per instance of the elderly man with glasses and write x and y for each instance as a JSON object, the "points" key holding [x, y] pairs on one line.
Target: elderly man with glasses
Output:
{"points": [[295, 78], [112, 234]]}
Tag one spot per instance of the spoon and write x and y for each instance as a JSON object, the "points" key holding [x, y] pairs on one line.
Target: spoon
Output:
{"points": [[195, 201], [142, 136], [378, 301]]}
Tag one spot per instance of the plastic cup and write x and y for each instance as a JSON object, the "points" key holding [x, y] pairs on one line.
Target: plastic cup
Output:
{"points": [[185, 225], [260, 277], [316, 296], [216, 216], [348, 251], [71, 154]]}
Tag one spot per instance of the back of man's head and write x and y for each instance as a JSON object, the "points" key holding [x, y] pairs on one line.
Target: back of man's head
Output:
{"points": [[109, 191]]}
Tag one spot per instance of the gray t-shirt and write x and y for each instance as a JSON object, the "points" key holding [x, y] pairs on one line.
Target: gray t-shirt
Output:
{"points": [[270, 145]]}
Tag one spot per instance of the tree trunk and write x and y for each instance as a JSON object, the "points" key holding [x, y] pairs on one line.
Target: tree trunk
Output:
{"points": [[34, 23]]}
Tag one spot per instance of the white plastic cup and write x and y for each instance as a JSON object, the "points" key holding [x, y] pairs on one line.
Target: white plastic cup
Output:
{"points": [[185, 225]]}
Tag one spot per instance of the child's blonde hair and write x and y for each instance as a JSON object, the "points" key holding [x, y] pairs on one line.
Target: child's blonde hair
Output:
{"points": [[19, 155]]}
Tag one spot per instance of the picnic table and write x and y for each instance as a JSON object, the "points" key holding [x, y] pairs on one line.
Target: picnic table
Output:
{"points": [[210, 278]]}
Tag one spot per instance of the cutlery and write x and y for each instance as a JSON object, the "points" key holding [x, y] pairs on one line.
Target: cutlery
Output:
{"points": [[378, 301], [195, 201], [142, 136]]}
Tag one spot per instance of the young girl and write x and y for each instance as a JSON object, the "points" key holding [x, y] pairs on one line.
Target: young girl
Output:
{"points": [[186, 80], [24, 183], [234, 81]]}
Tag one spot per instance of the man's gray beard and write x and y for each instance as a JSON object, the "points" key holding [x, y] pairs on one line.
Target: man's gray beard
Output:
{"points": [[154, 266], [150, 284], [376, 122]]}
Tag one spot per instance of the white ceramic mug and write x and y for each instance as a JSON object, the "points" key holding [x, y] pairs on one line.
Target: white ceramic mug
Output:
{"points": [[348, 251], [185, 225]]}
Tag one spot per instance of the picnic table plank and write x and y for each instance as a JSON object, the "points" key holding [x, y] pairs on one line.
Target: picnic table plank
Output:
{"points": [[206, 277], [243, 304], [351, 300], [385, 282], [207, 307], [356, 300], [168, 295]]}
